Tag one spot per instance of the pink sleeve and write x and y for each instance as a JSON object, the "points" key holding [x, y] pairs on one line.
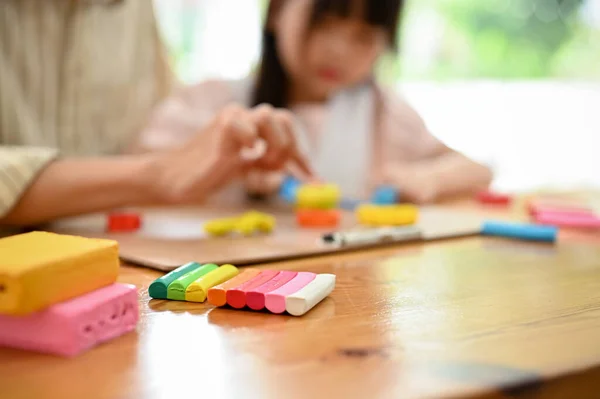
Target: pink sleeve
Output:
{"points": [[185, 113], [402, 132]]}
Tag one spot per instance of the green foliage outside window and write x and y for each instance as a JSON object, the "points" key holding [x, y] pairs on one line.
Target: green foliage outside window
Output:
{"points": [[500, 39]]}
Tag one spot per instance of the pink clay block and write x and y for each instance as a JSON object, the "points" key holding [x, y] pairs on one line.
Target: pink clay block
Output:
{"points": [[275, 300], [71, 327]]}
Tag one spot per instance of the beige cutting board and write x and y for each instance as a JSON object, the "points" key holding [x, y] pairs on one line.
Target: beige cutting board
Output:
{"points": [[171, 237]]}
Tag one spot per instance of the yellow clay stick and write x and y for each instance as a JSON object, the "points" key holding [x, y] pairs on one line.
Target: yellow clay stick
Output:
{"points": [[197, 291]]}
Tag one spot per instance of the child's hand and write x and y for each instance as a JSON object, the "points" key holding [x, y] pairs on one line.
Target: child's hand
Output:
{"points": [[238, 140], [415, 185]]}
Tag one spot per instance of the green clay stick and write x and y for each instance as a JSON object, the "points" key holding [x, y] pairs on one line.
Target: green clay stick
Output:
{"points": [[176, 290], [158, 288]]}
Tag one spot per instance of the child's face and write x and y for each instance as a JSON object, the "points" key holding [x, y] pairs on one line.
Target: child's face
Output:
{"points": [[335, 54]]}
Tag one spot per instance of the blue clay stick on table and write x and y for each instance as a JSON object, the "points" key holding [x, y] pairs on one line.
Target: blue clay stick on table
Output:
{"points": [[523, 231], [289, 188], [385, 195]]}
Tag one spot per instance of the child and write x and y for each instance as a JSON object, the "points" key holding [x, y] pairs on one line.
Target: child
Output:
{"points": [[77, 80], [317, 61]]}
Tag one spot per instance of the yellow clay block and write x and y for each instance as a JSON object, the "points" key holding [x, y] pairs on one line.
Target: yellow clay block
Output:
{"points": [[39, 269], [387, 215]]}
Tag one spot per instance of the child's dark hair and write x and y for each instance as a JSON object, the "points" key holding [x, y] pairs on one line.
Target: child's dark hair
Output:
{"points": [[272, 81]]}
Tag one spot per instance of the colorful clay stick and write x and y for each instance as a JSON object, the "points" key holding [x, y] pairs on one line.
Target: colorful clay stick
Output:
{"points": [[176, 290], [197, 291], [236, 297], [490, 197], [387, 215], [564, 211], [521, 231], [318, 196], [318, 217], [275, 300], [217, 295], [255, 298], [73, 326], [123, 222], [536, 205], [39, 269], [158, 288], [311, 294], [385, 195], [289, 188], [584, 221]]}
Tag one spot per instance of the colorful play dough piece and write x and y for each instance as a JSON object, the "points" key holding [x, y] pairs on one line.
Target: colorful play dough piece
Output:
{"points": [[123, 222], [73, 326], [275, 300], [266, 223], [385, 195], [39, 269], [523, 231], [253, 221], [289, 188], [245, 224], [176, 290], [318, 217], [311, 294], [236, 297], [197, 291], [217, 295], [562, 211], [158, 288], [493, 198], [255, 298], [220, 227], [561, 219], [318, 196], [387, 215]]}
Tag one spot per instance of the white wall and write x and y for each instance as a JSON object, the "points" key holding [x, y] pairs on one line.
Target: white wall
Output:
{"points": [[534, 134]]}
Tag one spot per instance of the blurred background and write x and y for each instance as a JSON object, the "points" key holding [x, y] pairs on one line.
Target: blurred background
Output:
{"points": [[513, 83]]}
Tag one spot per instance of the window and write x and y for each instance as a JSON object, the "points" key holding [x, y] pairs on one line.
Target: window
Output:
{"points": [[492, 78]]}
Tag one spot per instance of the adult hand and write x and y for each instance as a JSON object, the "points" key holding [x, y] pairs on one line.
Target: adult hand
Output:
{"points": [[236, 141]]}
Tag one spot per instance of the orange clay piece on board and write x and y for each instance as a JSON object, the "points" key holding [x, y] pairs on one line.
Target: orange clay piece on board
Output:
{"points": [[318, 217]]}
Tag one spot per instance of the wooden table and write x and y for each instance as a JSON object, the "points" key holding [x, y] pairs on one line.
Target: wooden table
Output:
{"points": [[472, 317]]}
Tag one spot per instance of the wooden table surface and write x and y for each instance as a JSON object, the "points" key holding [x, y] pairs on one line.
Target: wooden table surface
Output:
{"points": [[471, 317]]}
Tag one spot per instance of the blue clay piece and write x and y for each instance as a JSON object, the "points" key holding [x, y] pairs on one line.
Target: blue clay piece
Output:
{"points": [[289, 188], [385, 195]]}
